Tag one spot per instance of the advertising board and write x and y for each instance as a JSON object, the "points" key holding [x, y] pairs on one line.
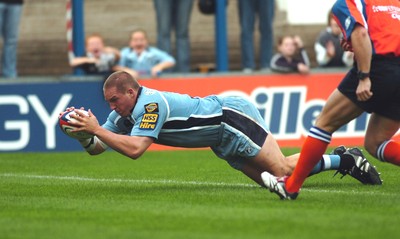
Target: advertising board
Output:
{"points": [[288, 103]]}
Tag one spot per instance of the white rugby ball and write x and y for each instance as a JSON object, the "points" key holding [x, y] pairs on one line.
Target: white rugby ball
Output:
{"points": [[66, 127]]}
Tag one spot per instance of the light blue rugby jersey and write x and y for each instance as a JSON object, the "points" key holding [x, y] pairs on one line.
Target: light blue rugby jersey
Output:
{"points": [[172, 119]]}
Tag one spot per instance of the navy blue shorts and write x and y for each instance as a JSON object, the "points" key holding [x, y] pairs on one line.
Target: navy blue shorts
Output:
{"points": [[385, 79]]}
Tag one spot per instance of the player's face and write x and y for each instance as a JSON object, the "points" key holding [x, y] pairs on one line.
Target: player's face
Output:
{"points": [[121, 102]]}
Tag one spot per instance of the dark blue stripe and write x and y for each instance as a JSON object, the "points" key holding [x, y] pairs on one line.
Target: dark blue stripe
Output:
{"points": [[321, 133], [192, 122], [248, 127]]}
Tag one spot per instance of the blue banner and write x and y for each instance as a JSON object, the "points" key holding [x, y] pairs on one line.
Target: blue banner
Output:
{"points": [[29, 113]]}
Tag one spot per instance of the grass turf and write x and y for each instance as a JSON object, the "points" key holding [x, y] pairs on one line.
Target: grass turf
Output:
{"points": [[182, 194]]}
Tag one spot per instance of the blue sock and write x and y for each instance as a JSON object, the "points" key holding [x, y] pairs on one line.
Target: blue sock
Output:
{"points": [[328, 162]]}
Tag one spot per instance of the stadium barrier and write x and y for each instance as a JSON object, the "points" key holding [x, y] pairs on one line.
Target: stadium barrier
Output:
{"points": [[288, 103]]}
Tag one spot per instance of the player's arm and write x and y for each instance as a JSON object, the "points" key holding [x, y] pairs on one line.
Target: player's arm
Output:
{"points": [[93, 145], [130, 146], [361, 44]]}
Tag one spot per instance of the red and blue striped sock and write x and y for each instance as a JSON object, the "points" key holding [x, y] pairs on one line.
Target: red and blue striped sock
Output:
{"points": [[389, 151]]}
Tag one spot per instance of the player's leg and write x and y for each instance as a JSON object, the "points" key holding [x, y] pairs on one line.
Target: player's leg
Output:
{"points": [[338, 111], [378, 139], [271, 159]]}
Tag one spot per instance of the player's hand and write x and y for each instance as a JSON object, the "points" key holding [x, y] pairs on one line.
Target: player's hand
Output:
{"points": [[68, 109], [363, 91], [86, 123]]}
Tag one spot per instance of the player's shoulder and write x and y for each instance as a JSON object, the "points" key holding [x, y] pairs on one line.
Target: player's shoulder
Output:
{"points": [[149, 98], [149, 91], [149, 95]]}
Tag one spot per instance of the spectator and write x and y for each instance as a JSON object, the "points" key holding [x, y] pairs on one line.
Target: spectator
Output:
{"points": [[10, 15], [140, 59], [291, 56], [174, 15], [329, 52], [247, 16], [99, 59]]}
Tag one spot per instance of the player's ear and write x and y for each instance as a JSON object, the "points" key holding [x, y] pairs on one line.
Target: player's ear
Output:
{"points": [[131, 92]]}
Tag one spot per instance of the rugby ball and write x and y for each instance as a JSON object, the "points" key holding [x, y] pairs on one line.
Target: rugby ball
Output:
{"points": [[66, 127]]}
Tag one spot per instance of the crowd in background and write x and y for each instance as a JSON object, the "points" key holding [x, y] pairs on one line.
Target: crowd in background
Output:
{"points": [[172, 52]]}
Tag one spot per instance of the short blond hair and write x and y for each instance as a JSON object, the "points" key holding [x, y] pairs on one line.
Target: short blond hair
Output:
{"points": [[122, 80]]}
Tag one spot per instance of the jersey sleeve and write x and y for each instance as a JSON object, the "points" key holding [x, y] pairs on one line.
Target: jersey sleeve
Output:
{"points": [[113, 122], [347, 14], [150, 114]]}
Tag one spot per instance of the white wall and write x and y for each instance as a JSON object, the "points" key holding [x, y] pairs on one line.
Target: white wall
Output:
{"points": [[303, 12]]}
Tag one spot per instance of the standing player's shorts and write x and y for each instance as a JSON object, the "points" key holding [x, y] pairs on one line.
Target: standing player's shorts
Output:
{"points": [[385, 79], [243, 132]]}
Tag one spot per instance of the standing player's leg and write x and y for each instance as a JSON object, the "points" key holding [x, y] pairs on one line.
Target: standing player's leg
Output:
{"points": [[378, 139], [338, 111]]}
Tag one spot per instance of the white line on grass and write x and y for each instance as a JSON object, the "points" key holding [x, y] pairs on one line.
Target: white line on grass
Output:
{"points": [[120, 180], [167, 181]]}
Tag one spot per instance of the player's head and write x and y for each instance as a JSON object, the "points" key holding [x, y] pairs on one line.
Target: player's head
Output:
{"points": [[120, 91], [138, 40]]}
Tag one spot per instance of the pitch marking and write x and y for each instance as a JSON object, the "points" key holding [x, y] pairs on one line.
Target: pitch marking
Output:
{"points": [[166, 181]]}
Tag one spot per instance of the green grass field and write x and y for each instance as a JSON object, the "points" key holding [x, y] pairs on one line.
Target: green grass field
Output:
{"points": [[182, 194]]}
